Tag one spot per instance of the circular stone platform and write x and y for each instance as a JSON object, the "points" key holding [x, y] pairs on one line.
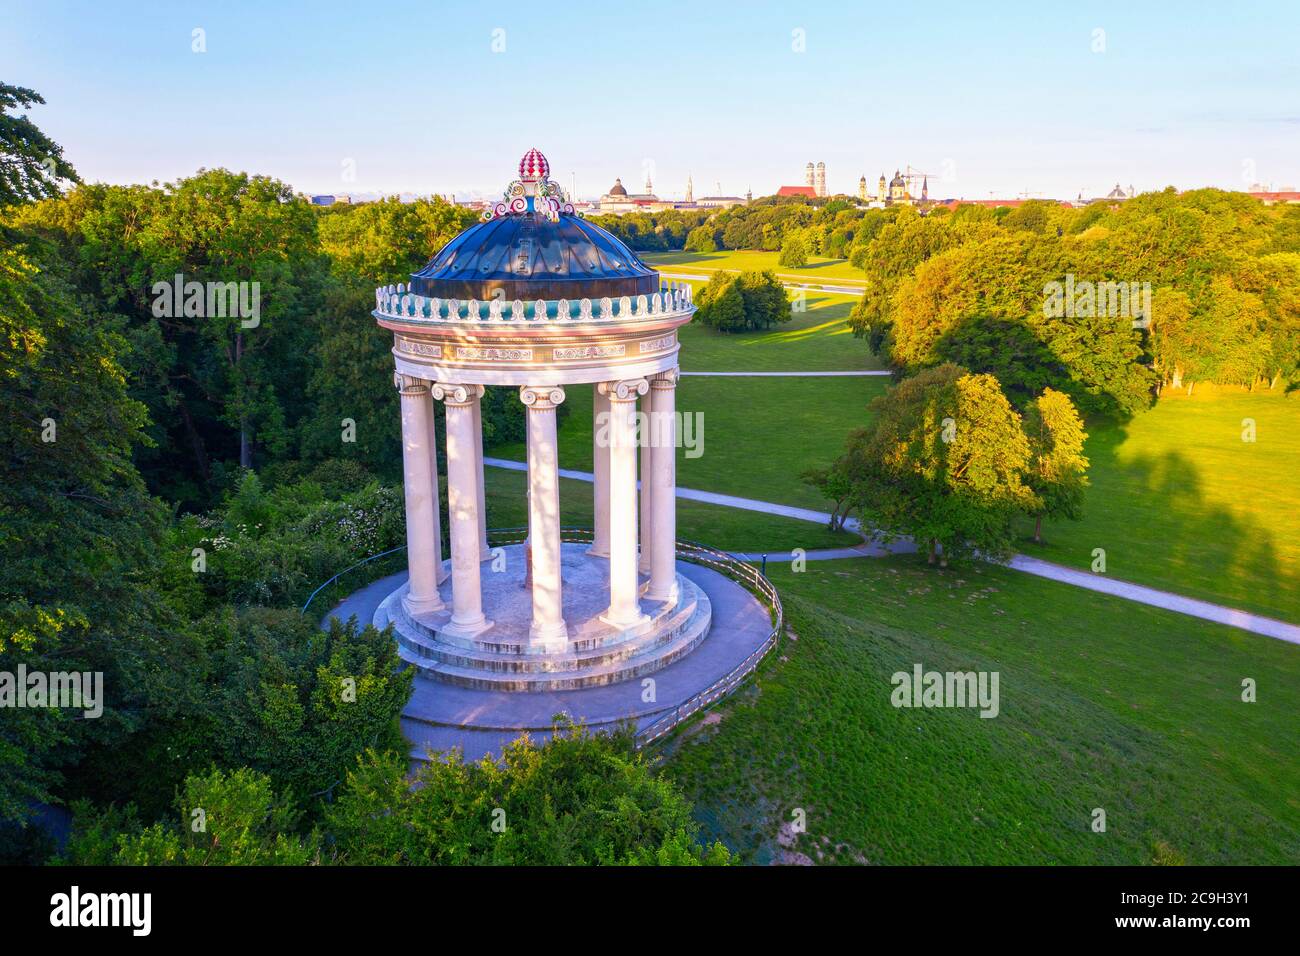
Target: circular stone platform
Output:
{"points": [[480, 721], [501, 657]]}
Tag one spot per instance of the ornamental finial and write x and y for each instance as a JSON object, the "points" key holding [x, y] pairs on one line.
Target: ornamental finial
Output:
{"points": [[532, 192]]}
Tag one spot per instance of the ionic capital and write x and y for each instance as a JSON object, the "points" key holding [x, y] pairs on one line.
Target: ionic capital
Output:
{"points": [[666, 379], [625, 390], [541, 397], [409, 385], [453, 393]]}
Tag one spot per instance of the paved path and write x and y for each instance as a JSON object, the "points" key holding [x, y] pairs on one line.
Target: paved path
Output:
{"points": [[440, 716], [1255, 623], [860, 372]]}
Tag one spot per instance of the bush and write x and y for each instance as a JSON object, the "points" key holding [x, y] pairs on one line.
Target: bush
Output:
{"points": [[576, 799]]}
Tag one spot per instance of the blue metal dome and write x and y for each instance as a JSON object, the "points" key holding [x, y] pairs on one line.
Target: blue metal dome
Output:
{"points": [[530, 256]]}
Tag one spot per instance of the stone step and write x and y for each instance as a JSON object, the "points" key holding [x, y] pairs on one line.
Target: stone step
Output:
{"points": [[587, 636], [647, 662], [665, 630]]}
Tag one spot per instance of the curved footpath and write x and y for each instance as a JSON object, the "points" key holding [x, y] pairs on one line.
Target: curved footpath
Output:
{"points": [[440, 716], [1205, 610]]}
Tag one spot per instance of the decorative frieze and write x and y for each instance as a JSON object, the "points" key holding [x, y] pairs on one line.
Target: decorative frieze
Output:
{"points": [[471, 353], [659, 344], [420, 348], [590, 351]]}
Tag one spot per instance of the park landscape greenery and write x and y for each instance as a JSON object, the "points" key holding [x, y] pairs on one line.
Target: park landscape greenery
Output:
{"points": [[176, 434]]}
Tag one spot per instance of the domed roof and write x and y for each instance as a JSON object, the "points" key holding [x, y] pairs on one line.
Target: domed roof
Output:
{"points": [[533, 245], [529, 256], [617, 189]]}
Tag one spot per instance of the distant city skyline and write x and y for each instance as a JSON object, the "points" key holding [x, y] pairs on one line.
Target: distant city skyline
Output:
{"points": [[419, 100]]}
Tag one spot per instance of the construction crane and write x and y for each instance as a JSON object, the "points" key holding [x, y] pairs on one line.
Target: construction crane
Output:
{"points": [[914, 176]]}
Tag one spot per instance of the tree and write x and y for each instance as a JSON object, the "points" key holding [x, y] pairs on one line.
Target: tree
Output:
{"points": [[720, 304], [794, 252], [766, 301], [1058, 469], [943, 460], [701, 239], [222, 819], [578, 799], [31, 164], [750, 300], [80, 539]]}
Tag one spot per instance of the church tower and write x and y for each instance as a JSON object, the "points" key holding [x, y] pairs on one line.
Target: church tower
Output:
{"points": [[690, 189], [862, 189], [925, 189], [808, 179], [819, 186], [880, 192]]}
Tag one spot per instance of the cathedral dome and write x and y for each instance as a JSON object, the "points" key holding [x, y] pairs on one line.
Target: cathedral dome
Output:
{"points": [[617, 189], [533, 245]]}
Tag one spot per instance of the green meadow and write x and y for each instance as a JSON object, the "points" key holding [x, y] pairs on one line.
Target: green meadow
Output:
{"points": [[1103, 704], [818, 267]]}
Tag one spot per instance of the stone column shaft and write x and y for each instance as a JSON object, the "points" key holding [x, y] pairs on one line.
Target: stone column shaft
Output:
{"points": [[485, 552], [420, 484], [467, 617], [663, 475], [646, 524], [548, 629], [624, 605], [600, 472]]}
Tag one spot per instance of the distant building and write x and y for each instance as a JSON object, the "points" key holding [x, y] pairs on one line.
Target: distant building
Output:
{"points": [[814, 183], [722, 202], [327, 200], [1284, 196], [618, 201]]}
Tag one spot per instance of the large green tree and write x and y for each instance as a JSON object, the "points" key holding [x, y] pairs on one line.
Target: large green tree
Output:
{"points": [[31, 164], [1058, 468], [944, 461]]}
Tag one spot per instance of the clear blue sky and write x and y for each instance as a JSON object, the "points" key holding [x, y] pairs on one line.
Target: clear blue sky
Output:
{"points": [[1002, 97]]}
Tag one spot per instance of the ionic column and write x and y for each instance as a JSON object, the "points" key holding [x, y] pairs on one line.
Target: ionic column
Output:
{"points": [[600, 472], [624, 606], [420, 486], [467, 617], [548, 628], [485, 553], [663, 475], [646, 523]]}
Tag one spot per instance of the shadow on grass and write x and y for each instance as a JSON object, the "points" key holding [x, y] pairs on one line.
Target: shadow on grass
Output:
{"points": [[1153, 518]]}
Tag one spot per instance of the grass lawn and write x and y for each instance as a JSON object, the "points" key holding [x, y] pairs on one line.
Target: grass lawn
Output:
{"points": [[1179, 501], [725, 528], [818, 268], [1103, 703], [817, 340], [758, 434]]}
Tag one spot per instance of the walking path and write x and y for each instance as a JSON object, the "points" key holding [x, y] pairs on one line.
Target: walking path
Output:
{"points": [[441, 716], [1205, 610]]}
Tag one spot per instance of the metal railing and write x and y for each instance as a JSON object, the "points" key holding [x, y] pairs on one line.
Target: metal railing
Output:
{"points": [[742, 572]]}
